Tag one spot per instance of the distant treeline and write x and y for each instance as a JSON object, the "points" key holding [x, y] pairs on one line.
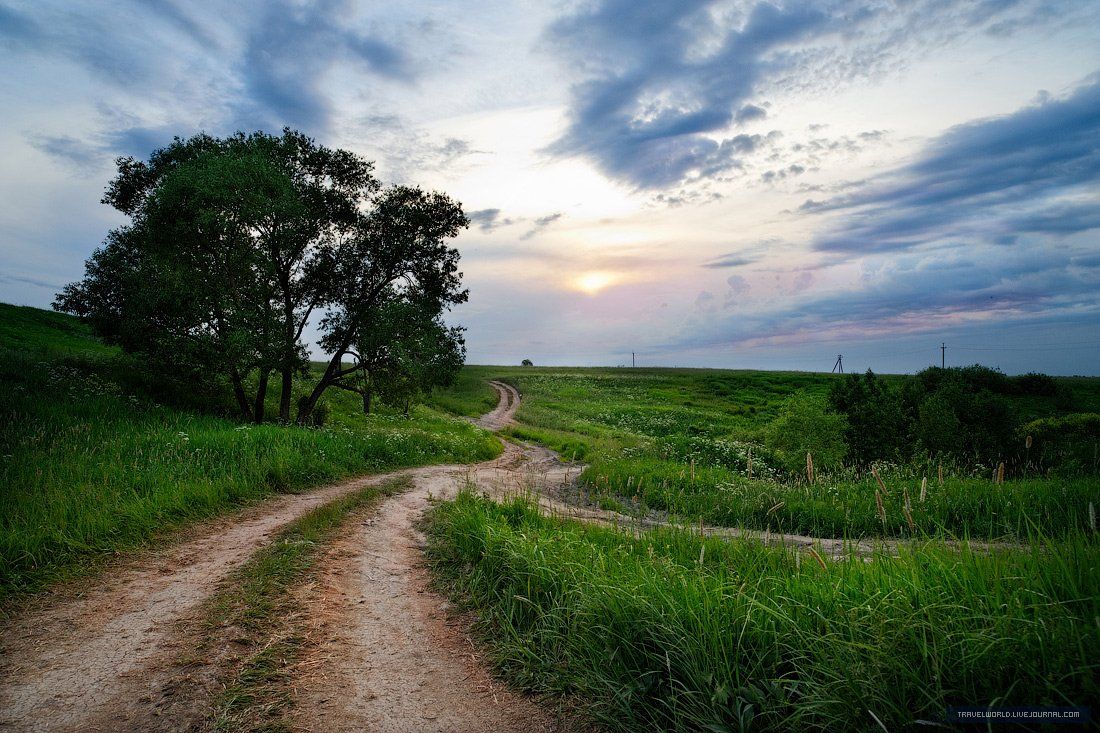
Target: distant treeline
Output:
{"points": [[967, 415]]}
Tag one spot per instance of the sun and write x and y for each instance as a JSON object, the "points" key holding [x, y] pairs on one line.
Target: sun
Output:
{"points": [[593, 282]]}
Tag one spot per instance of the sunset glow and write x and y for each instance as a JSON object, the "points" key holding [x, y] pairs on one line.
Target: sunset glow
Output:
{"points": [[592, 283]]}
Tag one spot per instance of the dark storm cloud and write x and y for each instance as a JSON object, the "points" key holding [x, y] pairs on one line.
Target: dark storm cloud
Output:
{"points": [[988, 180], [662, 83], [645, 113]]}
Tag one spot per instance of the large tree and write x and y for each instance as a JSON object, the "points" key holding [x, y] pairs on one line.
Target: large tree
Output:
{"points": [[232, 226], [234, 243]]}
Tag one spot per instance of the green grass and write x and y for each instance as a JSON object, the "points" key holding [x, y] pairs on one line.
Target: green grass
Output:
{"points": [[648, 428], [258, 605], [668, 631], [842, 504], [88, 470], [28, 329]]}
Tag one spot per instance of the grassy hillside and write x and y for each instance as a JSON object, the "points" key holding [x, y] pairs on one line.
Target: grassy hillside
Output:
{"points": [[90, 465]]}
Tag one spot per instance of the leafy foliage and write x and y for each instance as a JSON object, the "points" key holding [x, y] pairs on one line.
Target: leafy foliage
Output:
{"points": [[805, 426], [234, 243]]}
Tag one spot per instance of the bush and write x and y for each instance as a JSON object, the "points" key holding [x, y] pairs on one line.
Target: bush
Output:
{"points": [[805, 426], [1070, 443], [876, 426], [1038, 385]]}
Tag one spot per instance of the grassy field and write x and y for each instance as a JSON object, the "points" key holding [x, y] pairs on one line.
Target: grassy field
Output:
{"points": [[670, 631], [680, 441], [673, 632], [88, 468]]}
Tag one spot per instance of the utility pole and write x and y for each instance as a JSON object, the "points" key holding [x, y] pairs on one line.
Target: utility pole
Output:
{"points": [[632, 364], [839, 366], [943, 355]]}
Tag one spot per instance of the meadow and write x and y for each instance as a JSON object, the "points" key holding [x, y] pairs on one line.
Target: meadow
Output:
{"points": [[671, 631], [90, 464], [679, 443]]}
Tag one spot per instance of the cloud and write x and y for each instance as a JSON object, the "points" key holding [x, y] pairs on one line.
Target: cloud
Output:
{"points": [[750, 112], [290, 49], [704, 302], [541, 223], [1035, 171], [728, 260], [81, 154], [917, 293], [405, 151], [5, 277], [489, 219], [738, 286], [648, 111], [660, 84], [16, 29]]}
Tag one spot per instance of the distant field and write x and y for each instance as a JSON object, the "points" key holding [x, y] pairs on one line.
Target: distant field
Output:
{"points": [[678, 441], [90, 465]]}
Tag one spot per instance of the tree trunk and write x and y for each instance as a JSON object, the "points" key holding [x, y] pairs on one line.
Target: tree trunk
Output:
{"points": [[366, 400], [306, 408], [261, 396], [285, 394], [238, 392]]}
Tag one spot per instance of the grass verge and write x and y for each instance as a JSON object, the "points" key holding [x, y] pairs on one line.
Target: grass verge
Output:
{"points": [[88, 469], [669, 631]]}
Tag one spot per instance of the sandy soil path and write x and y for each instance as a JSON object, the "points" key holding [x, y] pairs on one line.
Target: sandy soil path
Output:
{"points": [[386, 656], [93, 657], [505, 412]]}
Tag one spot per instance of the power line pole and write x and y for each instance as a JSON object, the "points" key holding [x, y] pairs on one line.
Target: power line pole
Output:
{"points": [[839, 366], [943, 355], [632, 363]]}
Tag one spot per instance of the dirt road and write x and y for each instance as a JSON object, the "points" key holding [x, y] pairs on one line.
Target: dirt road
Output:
{"points": [[384, 653], [92, 657]]}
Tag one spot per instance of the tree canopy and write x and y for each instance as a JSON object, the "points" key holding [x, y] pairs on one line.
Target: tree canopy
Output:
{"points": [[233, 244]]}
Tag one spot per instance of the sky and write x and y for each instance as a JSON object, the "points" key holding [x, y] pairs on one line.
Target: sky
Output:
{"points": [[712, 184]]}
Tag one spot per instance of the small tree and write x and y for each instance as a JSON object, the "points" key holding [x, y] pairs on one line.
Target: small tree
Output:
{"points": [[876, 424], [399, 252], [405, 351], [527, 362]]}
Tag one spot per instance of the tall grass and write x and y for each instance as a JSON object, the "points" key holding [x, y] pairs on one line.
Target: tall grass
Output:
{"points": [[843, 504], [668, 631], [86, 470]]}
